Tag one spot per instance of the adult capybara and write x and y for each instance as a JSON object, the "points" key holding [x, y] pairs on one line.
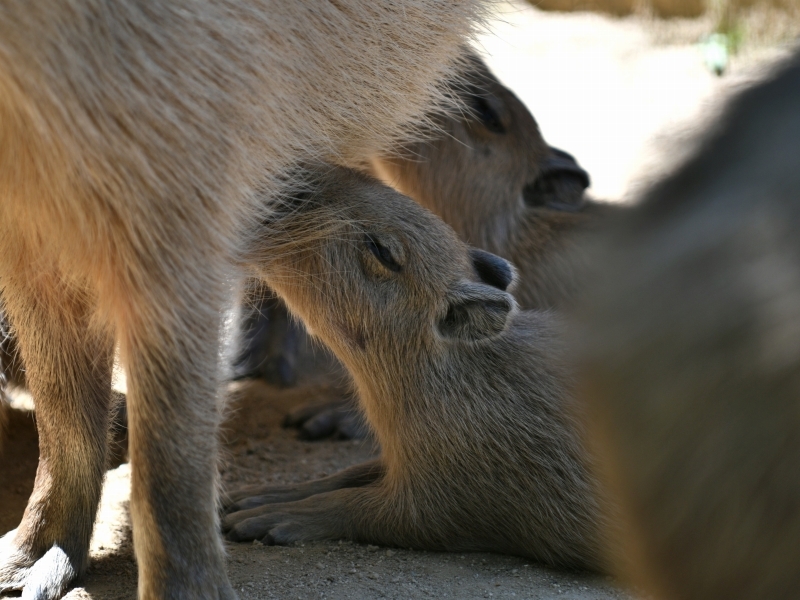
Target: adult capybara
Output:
{"points": [[467, 395], [691, 361], [133, 138]]}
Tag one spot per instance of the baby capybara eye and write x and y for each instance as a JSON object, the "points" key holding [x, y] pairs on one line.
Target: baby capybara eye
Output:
{"points": [[492, 270], [382, 253]]}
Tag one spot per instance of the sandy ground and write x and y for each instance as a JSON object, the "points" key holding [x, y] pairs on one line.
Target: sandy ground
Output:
{"points": [[609, 91]]}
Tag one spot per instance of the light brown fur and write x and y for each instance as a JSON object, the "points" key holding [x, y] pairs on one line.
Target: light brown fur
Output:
{"points": [[132, 138], [690, 346], [493, 178], [466, 395]]}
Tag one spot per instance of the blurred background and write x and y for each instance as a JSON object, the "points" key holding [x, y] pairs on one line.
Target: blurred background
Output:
{"points": [[622, 84]]}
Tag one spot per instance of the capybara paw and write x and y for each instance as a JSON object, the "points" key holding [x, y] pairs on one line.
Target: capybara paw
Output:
{"points": [[246, 503], [271, 528], [247, 497], [38, 578], [318, 420], [269, 531], [253, 497]]}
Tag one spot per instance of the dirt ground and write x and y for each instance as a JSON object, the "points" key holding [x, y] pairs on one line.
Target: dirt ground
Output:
{"points": [[609, 91], [258, 449]]}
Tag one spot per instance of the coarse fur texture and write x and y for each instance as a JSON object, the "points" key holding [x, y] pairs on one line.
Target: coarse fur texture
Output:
{"points": [[10, 371], [133, 136], [690, 351], [466, 394]]}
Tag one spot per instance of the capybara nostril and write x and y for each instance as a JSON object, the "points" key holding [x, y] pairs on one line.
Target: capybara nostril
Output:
{"points": [[492, 269], [560, 183]]}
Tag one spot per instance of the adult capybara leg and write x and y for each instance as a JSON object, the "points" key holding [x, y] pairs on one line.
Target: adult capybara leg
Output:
{"points": [[69, 362], [170, 351]]}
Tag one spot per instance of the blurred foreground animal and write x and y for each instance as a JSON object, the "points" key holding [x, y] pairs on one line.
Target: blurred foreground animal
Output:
{"points": [[691, 361], [467, 395], [133, 138]]}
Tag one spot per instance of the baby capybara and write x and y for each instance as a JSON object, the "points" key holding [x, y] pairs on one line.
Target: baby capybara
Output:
{"points": [[466, 394]]}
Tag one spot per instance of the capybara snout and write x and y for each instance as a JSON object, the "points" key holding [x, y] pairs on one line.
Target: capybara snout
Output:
{"points": [[492, 269]]}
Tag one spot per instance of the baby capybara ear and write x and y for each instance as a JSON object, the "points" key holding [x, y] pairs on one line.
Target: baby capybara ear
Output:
{"points": [[491, 269], [475, 311]]}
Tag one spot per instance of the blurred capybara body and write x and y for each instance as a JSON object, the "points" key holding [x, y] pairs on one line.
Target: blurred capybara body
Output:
{"points": [[466, 394], [132, 138], [691, 361]]}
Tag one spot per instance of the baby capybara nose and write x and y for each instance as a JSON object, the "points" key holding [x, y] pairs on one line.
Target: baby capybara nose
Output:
{"points": [[492, 270]]}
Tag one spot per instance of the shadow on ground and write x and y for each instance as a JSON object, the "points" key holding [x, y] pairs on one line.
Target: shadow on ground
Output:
{"points": [[257, 448]]}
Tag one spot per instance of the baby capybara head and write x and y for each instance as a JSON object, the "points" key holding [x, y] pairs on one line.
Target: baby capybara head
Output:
{"points": [[375, 275], [488, 169]]}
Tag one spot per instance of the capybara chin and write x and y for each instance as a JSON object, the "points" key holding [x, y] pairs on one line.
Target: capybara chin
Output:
{"points": [[466, 394], [691, 360], [133, 136]]}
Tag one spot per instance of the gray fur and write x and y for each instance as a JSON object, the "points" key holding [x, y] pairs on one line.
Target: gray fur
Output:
{"points": [[690, 345]]}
